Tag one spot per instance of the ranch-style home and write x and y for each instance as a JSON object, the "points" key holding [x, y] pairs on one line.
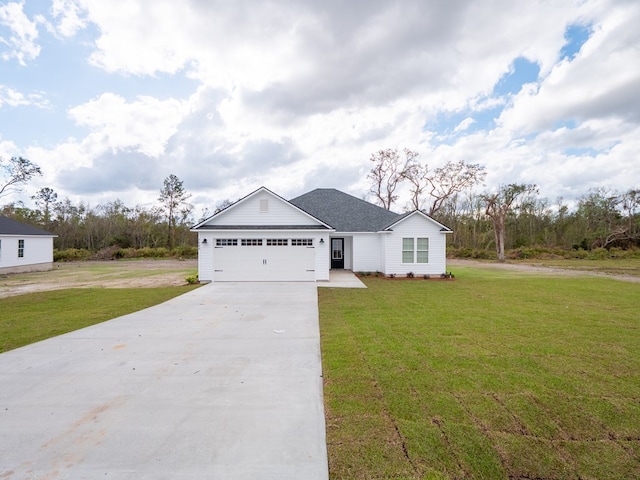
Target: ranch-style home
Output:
{"points": [[263, 237], [24, 248]]}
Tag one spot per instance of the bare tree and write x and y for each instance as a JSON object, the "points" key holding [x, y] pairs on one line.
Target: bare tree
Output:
{"points": [[499, 205], [15, 172], [174, 203], [389, 170], [452, 178], [442, 183]]}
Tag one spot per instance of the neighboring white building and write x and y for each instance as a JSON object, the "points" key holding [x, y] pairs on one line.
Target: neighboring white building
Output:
{"points": [[263, 237], [24, 248]]}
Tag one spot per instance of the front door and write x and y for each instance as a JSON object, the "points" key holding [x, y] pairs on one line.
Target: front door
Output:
{"points": [[337, 253]]}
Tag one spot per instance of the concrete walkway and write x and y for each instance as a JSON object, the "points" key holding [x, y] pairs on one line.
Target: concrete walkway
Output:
{"points": [[342, 279], [221, 383]]}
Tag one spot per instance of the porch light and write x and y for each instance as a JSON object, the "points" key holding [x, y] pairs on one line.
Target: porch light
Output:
{"points": [[204, 242], [322, 241]]}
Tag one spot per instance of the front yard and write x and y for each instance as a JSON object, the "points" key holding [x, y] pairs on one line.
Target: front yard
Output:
{"points": [[498, 374]]}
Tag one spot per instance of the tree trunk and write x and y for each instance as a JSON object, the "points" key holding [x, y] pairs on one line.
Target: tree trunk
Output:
{"points": [[498, 230]]}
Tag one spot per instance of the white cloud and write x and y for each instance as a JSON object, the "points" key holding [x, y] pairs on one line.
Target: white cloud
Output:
{"points": [[599, 82], [69, 17], [296, 95], [464, 125], [144, 125], [22, 33], [14, 98]]}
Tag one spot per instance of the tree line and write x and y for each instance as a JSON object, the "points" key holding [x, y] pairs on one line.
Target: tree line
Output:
{"points": [[512, 217], [112, 225]]}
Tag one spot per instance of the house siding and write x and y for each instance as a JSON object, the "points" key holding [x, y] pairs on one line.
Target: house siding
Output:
{"points": [[366, 252], [205, 256], [415, 226], [249, 212], [38, 253], [323, 257]]}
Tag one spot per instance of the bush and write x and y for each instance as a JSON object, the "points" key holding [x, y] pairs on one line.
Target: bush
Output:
{"points": [[185, 252], [71, 255], [109, 253], [192, 280]]}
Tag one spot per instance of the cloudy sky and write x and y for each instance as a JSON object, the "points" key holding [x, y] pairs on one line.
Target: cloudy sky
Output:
{"points": [[110, 98]]}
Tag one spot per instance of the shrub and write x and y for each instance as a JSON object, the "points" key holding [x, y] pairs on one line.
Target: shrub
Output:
{"points": [[410, 275], [71, 254], [192, 280], [185, 251]]}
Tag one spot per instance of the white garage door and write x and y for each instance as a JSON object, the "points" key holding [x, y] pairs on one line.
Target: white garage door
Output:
{"points": [[264, 260]]}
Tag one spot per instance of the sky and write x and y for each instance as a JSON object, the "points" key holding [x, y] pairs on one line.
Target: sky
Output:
{"points": [[110, 98]]}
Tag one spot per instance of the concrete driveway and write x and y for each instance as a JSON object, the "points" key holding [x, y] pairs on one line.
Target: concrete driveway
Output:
{"points": [[221, 383]]}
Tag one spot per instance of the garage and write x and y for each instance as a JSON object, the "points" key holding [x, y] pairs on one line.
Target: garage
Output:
{"points": [[264, 259]]}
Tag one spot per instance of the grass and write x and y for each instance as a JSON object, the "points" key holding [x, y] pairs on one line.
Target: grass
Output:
{"points": [[32, 317], [498, 374]]}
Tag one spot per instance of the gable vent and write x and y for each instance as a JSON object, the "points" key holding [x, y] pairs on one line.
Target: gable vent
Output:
{"points": [[264, 206]]}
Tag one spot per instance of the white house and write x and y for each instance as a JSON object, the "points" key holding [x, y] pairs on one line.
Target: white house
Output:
{"points": [[263, 237], [24, 248]]}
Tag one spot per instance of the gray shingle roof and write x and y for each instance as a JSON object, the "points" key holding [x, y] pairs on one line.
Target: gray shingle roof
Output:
{"points": [[9, 226], [345, 212]]}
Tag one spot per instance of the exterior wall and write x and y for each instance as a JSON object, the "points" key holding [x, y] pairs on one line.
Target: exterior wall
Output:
{"points": [[366, 252], [416, 226], [38, 253], [323, 257], [205, 256], [248, 212], [348, 253]]}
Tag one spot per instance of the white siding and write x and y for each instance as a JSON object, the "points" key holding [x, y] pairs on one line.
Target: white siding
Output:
{"points": [[38, 253], [348, 253], [205, 256], [323, 257], [249, 212], [366, 252], [416, 226]]}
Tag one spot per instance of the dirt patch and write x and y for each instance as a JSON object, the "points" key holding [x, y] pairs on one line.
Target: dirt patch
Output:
{"points": [[100, 274], [522, 267]]}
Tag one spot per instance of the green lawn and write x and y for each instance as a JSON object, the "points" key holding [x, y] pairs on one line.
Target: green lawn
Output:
{"points": [[32, 317], [496, 374]]}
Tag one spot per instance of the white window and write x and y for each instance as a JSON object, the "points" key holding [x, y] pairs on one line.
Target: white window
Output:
{"points": [[251, 242], [422, 250], [407, 250], [226, 242], [415, 250], [264, 206], [302, 242], [20, 248], [277, 242]]}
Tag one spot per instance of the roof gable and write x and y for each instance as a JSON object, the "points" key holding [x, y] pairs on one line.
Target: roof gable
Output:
{"points": [[404, 217], [261, 209], [9, 226], [345, 212]]}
